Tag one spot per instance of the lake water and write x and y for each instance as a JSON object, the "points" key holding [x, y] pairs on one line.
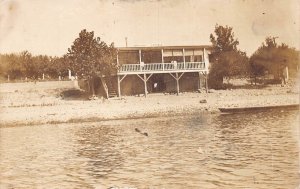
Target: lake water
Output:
{"points": [[256, 150]]}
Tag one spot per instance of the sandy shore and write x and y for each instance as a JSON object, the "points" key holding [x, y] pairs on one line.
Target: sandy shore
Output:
{"points": [[40, 103]]}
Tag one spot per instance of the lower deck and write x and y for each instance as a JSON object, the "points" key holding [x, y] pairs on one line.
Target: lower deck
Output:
{"points": [[168, 82]]}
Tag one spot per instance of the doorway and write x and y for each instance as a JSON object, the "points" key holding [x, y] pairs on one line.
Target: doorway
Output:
{"points": [[157, 83]]}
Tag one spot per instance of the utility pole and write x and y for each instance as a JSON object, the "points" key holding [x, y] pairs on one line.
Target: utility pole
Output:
{"points": [[126, 41]]}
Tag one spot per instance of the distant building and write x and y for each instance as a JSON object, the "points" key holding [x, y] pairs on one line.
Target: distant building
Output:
{"points": [[169, 69]]}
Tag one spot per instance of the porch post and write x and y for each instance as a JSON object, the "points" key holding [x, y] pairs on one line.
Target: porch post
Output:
{"points": [[206, 72], [203, 59], [199, 80], [193, 56], [183, 54], [145, 83], [206, 84], [140, 55], [162, 59], [119, 87], [177, 83], [118, 58]]}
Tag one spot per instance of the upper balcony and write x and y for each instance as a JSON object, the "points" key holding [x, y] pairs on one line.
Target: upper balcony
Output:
{"points": [[162, 68], [163, 59]]}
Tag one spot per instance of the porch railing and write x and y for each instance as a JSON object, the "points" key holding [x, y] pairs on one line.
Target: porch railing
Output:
{"points": [[180, 66]]}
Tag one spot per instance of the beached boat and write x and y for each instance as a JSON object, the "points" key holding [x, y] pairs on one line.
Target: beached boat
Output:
{"points": [[260, 108]]}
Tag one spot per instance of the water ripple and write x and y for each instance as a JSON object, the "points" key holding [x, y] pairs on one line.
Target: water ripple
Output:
{"points": [[257, 150]]}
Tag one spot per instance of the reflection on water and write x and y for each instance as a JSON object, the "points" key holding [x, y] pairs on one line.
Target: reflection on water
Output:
{"points": [[257, 150]]}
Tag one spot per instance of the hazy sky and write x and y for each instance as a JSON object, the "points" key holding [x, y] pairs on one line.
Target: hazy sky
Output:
{"points": [[50, 26]]}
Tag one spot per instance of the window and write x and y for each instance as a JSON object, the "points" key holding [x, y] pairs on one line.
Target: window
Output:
{"points": [[187, 58], [198, 58]]}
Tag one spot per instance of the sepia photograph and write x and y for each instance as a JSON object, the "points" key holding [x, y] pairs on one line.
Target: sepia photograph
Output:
{"points": [[150, 94]]}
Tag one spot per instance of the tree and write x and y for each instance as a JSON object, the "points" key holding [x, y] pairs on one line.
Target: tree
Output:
{"points": [[224, 39], [89, 57], [41, 65], [58, 66], [227, 60], [14, 66], [273, 58]]}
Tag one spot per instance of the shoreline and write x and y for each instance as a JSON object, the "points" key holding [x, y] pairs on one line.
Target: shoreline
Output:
{"points": [[37, 104], [128, 117], [99, 119]]}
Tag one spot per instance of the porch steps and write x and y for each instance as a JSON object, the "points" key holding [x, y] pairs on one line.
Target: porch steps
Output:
{"points": [[112, 91]]}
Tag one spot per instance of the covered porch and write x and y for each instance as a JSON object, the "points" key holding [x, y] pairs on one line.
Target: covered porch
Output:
{"points": [[144, 62]]}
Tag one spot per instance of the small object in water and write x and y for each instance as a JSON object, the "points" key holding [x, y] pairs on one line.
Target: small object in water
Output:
{"points": [[203, 101], [199, 150], [254, 180], [137, 130]]}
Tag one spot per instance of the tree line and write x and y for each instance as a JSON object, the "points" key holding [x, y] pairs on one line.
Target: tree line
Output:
{"points": [[23, 66], [227, 61], [89, 56]]}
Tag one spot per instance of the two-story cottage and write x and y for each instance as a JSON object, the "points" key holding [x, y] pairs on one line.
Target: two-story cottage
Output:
{"points": [[168, 69]]}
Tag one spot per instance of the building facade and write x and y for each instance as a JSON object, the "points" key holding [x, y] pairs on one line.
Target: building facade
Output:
{"points": [[164, 69]]}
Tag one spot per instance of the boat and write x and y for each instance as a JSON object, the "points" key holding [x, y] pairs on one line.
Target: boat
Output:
{"points": [[259, 108]]}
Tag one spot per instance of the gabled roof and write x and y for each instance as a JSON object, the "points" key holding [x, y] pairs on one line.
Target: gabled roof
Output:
{"points": [[164, 47]]}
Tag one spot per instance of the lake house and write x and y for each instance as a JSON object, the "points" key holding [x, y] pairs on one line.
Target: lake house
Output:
{"points": [[163, 69]]}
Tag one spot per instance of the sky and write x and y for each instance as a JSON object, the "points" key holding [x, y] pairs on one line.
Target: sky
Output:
{"points": [[50, 26]]}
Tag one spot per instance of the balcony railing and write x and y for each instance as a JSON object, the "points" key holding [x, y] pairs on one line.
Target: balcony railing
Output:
{"points": [[161, 67]]}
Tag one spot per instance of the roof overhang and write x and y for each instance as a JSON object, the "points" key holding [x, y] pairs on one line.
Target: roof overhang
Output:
{"points": [[208, 47]]}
